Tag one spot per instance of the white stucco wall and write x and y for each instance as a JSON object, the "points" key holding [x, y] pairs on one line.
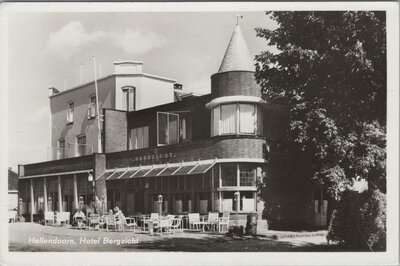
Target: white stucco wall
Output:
{"points": [[150, 91]]}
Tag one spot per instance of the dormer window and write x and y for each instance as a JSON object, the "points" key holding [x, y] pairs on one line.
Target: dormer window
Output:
{"points": [[128, 99], [92, 107], [236, 118], [70, 113]]}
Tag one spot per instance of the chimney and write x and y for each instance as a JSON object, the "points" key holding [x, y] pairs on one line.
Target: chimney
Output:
{"points": [[128, 67], [52, 91], [178, 86]]}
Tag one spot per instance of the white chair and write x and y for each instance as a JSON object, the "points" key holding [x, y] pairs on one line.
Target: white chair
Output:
{"points": [[154, 216], [62, 217], [177, 225], [94, 221], [223, 222], [12, 215], [49, 216], [164, 224], [194, 220], [111, 222], [213, 218], [130, 223]]}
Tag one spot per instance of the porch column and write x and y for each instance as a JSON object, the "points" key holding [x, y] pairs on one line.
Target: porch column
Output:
{"points": [[192, 200], [76, 192], [32, 201], [59, 194], [45, 193]]}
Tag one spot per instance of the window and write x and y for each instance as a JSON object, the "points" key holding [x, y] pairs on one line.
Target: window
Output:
{"points": [[70, 113], [61, 143], [238, 118], [139, 138], [168, 128], [81, 145], [92, 107], [247, 174], [228, 119], [128, 99], [229, 174], [247, 118], [81, 139], [185, 126]]}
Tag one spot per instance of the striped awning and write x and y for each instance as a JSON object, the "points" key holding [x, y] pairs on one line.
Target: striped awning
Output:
{"points": [[184, 168]]}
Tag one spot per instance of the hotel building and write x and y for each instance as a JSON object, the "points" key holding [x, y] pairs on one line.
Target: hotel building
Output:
{"points": [[201, 153]]}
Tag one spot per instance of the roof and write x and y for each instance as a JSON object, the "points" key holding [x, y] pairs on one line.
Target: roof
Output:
{"points": [[237, 56]]}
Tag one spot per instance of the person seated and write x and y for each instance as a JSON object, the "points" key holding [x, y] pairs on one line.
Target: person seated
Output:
{"points": [[79, 218]]}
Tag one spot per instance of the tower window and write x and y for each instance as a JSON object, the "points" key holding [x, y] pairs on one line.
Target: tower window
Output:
{"points": [[236, 118]]}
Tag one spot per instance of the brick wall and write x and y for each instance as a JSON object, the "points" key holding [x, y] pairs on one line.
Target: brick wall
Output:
{"points": [[233, 147], [232, 83], [115, 130]]}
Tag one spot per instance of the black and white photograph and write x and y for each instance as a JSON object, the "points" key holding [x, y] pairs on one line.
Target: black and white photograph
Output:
{"points": [[199, 133]]}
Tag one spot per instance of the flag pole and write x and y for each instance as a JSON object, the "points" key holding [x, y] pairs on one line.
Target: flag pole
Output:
{"points": [[99, 148]]}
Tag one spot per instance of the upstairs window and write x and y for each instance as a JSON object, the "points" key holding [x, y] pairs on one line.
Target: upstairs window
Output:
{"points": [[167, 128], [139, 138], [92, 107], [237, 118], [61, 143], [128, 99], [70, 113]]}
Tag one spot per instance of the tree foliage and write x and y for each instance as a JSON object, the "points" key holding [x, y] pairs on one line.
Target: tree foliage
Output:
{"points": [[330, 72]]}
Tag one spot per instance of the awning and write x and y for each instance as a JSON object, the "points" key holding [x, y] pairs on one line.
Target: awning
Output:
{"points": [[57, 174], [184, 168]]}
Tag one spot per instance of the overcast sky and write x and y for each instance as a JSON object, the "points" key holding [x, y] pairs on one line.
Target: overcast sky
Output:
{"points": [[46, 49]]}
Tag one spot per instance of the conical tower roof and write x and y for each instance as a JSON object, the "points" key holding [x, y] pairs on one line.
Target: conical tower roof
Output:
{"points": [[237, 56]]}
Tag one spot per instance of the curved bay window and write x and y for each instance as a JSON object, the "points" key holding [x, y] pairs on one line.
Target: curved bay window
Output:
{"points": [[231, 178], [237, 118]]}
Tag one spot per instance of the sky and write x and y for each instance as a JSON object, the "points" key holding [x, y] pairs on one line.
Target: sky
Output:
{"points": [[47, 49]]}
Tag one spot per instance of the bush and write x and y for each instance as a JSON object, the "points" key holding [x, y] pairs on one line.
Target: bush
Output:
{"points": [[359, 221]]}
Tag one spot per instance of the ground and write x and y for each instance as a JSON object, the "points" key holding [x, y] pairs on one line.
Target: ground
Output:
{"points": [[20, 233]]}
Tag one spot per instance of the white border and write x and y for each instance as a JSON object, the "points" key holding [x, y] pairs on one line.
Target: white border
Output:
{"points": [[178, 258]]}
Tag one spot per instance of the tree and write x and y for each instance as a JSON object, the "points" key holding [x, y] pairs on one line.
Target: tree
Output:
{"points": [[330, 72]]}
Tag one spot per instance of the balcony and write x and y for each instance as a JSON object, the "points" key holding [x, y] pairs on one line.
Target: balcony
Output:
{"points": [[73, 150]]}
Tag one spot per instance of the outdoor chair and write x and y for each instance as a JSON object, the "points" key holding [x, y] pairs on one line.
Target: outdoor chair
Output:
{"points": [[49, 216], [154, 216], [194, 220], [223, 222], [164, 224], [130, 223], [177, 225], [213, 218], [62, 217], [110, 222], [94, 221], [12, 216]]}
